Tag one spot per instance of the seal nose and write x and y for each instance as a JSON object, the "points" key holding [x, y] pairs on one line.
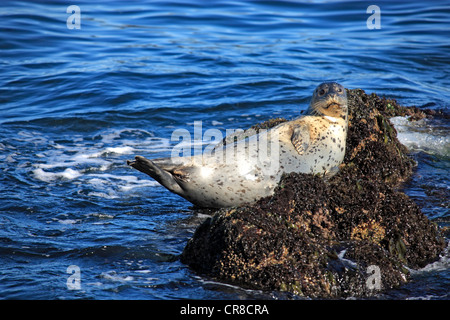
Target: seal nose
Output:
{"points": [[334, 96]]}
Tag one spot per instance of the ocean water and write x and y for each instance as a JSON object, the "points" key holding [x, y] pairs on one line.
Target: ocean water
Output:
{"points": [[75, 104]]}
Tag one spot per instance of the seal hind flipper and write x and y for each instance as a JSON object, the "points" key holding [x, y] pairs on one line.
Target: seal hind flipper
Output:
{"points": [[301, 137], [158, 172]]}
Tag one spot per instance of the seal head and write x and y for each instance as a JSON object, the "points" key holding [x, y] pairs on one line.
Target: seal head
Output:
{"points": [[329, 99]]}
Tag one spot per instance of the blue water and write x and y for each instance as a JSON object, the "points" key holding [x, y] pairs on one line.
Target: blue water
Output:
{"points": [[75, 104]]}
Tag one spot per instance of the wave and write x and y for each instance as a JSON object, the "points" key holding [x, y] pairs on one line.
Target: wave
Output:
{"points": [[423, 135], [442, 264], [96, 164]]}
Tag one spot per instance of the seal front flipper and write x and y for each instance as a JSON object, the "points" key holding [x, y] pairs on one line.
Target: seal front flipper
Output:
{"points": [[301, 137], [159, 172]]}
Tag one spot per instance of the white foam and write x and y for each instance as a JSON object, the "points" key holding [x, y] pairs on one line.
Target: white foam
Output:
{"points": [[68, 221], [93, 163], [96, 182], [115, 277], [123, 183], [440, 265], [120, 150], [101, 215], [144, 271], [341, 255], [422, 135], [68, 174], [64, 158], [141, 184], [42, 175]]}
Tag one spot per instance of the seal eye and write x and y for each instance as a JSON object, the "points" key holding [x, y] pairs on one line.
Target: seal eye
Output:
{"points": [[321, 92]]}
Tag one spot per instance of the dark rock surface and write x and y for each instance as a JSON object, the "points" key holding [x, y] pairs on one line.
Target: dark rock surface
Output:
{"points": [[351, 235]]}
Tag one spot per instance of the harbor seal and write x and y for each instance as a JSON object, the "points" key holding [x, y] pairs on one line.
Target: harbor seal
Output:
{"points": [[250, 168]]}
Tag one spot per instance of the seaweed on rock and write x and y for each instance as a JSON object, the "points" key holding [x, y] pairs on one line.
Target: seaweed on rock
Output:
{"points": [[350, 235]]}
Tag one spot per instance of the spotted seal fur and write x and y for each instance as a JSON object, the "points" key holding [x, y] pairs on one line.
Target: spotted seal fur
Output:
{"points": [[250, 168]]}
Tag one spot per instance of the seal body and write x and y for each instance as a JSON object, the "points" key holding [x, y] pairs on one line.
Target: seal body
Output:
{"points": [[250, 168]]}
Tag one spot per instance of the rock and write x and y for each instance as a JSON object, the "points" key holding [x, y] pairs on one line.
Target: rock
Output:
{"points": [[351, 235]]}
